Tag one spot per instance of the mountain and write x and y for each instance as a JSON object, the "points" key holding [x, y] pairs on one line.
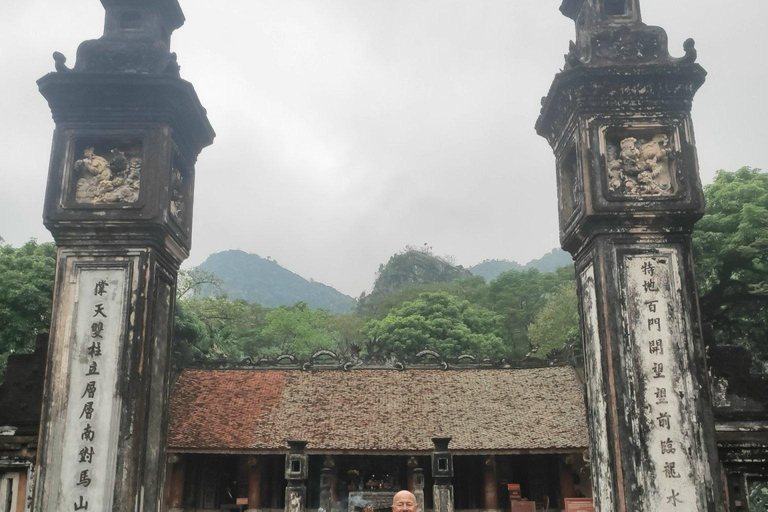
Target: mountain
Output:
{"points": [[255, 279], [551, 261], [490, 269], [415, 267]]}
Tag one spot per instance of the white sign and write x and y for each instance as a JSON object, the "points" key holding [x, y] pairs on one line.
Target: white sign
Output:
{"points": [[88, 459], [654, 325]]}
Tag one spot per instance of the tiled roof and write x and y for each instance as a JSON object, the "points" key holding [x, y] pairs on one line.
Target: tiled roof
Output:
{"points": [[386, 411]]}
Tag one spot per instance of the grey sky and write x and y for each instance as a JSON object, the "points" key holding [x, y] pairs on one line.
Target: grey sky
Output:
{"points": [[347, 129]]}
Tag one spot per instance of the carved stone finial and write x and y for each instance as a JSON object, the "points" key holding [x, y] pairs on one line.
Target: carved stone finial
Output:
{"points": [[611, 32], [60, 62], [137, 38], [690, 52]]}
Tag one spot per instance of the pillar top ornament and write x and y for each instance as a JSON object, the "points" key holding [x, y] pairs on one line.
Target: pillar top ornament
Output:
{"points": [[136, 40], [611, 32], [129, 131]]}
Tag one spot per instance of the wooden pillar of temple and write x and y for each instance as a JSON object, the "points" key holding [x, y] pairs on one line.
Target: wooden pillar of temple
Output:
{"points": [[412, 464], [330, 462], [567, 484], [276, 481], [254, 483], [490, 484], [176, 484]]}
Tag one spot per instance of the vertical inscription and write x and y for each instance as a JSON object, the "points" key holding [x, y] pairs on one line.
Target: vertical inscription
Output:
{"points": [[602, 481], [658, 342], [87, 466]]}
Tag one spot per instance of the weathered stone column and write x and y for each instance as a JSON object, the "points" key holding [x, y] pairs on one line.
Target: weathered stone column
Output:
{"points": [[490, 484], [296, 472], [618, 120], [442, 473], [119, 206], [254, 483]]}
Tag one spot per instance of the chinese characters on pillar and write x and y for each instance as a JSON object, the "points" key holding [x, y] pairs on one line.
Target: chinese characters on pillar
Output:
{"points": [[654, 325], [86, 483], [91, 369]]}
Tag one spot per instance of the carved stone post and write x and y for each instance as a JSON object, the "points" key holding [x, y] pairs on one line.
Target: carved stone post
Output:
{"points": [[442, 473], [119, 205], [490, 484], [326, 484], [254, 483], [296, 472], [618, 120]]}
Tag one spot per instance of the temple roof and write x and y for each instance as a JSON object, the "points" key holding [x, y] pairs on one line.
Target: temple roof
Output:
{"points": [[381, 411]]}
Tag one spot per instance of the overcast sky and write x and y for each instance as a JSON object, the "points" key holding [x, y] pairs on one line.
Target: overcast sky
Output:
{"points": [[347, 129]]}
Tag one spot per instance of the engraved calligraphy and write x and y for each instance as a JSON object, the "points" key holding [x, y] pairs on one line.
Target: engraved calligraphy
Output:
{"points": [[653, 325]]}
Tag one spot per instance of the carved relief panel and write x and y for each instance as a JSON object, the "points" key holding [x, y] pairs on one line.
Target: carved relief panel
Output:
{"points": [[106, 172], [640, 162], [640, 167], [180, 203]]}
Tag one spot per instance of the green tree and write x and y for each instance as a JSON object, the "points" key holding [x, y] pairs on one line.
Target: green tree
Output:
{"points": [[556, 324], [441, 322], [472, 289], [26, 293], [731, 257], [518, 296], [296, 330], [229, 325], [192, 281]]}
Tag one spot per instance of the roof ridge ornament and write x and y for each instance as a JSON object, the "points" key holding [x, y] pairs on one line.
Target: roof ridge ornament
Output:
{"points": [[426, 359]]}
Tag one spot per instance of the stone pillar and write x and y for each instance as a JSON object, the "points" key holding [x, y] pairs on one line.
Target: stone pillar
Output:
{"points": [[326, 485], [296, 472], [176, 492], [490, 484], [618, 120], [254, 483], [119, 206], [442, 473]]}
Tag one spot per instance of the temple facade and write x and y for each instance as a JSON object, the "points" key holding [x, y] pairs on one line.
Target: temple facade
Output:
{"points": [[369, 433], [366, 432]]}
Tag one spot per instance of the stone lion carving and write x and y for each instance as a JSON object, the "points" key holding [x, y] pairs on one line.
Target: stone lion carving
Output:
{"points": [[114, 179], [640, 167]]}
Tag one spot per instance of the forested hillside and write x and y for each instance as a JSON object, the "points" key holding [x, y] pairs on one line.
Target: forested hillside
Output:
{"points": [[490, 269], [263, 281]]}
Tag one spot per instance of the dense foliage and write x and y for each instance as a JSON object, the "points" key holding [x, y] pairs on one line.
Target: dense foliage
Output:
{"points": [[26, 292], [731, 254], [440, 322]]}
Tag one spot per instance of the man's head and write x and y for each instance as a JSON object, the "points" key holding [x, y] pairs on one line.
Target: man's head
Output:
{"points": [[404, 501]]}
